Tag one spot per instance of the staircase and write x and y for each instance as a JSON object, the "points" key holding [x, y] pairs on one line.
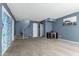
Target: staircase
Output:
{"points": [[27, 31]]}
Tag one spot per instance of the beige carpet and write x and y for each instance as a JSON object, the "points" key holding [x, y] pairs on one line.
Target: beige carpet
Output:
{"points": [[42, 47]]}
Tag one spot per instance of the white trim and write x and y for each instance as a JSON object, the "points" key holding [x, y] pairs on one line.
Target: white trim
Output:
{"points": [[5, 50], [16, 36], [31, 37], [3, 9], [73, 42], [25, 37], [12, 29]]}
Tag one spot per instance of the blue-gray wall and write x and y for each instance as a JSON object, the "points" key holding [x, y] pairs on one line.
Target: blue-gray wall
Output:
{"points": [[48, 27], [20, 25], [43, 23], [28, 32], [26, 27], [67, 32]]}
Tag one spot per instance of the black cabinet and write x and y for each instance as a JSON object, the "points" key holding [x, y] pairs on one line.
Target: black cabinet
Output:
{"points": [[51, 35]]}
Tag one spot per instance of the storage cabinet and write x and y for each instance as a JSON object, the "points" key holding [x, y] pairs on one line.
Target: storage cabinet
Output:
{"points": [[51, 35]]}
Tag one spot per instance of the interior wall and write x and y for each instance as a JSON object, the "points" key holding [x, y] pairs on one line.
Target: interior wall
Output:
{"points": [[20, 26], [67, 32], [26, 28], [48, 27], [28, 32], [43, 24]]}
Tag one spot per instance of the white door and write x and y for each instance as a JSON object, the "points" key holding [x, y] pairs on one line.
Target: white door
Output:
{"points": [[41, 30], [35, 30]]}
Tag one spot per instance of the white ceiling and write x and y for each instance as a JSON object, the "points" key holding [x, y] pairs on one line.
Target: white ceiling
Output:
{"points": [[41, 11]]}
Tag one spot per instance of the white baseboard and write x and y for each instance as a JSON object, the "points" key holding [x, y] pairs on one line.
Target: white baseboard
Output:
{"points": [[73, 42], [31, 37], [6, 49], [17, 36]]}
